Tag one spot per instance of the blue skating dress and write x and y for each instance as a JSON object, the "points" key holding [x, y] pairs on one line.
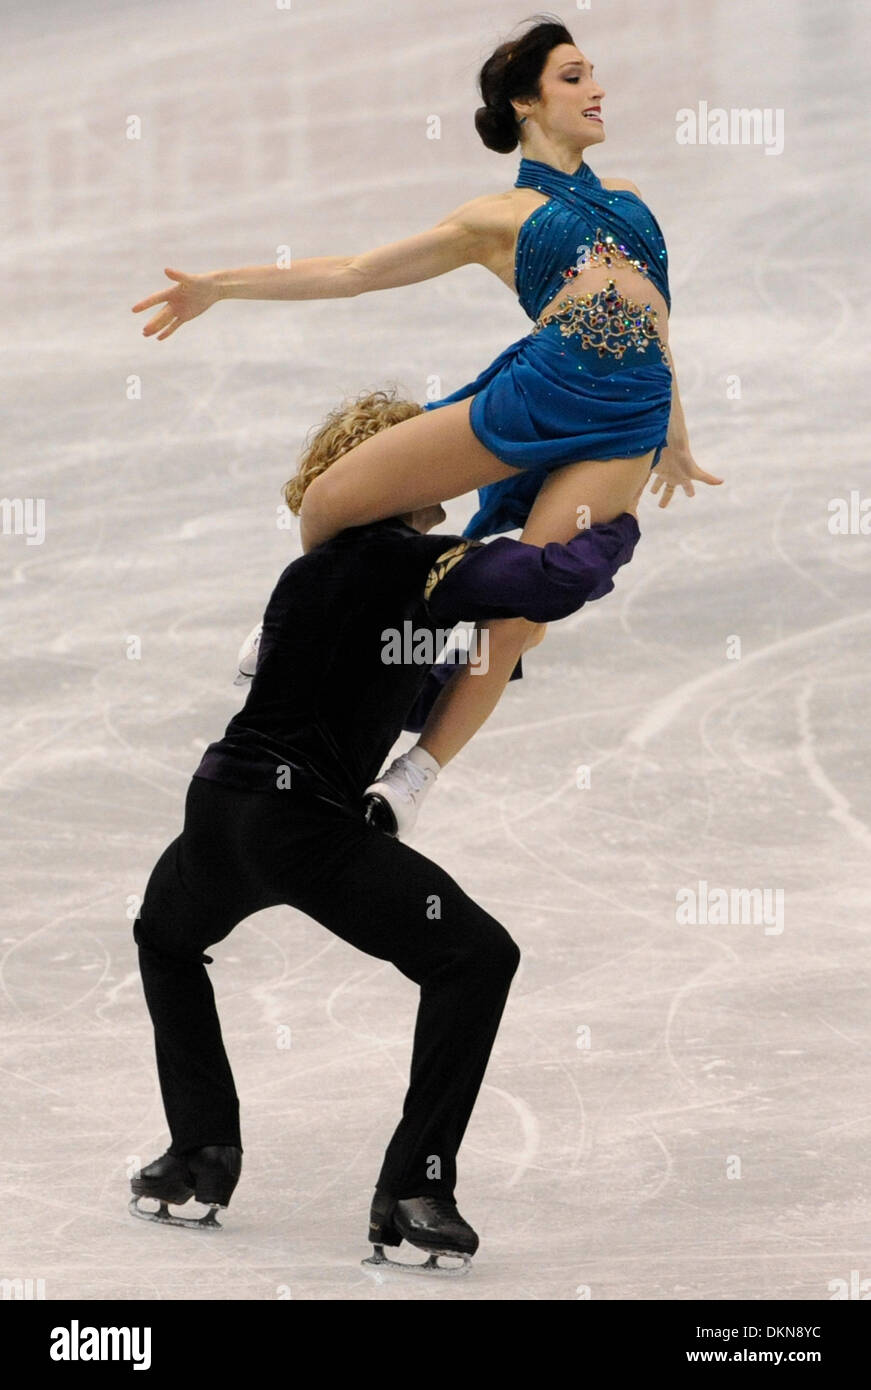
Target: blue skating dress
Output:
{"points": [[589, 382]]}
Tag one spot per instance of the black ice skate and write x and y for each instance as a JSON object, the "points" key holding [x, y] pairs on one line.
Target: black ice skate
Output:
{"points": [[432, 1224], [208, 1174]]}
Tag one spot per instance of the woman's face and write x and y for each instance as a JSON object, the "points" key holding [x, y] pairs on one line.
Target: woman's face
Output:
{"points": [[570, 106]]}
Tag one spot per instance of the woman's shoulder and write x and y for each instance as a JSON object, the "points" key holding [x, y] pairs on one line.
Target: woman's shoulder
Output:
{"points": [[491, 212], [621, 185]]}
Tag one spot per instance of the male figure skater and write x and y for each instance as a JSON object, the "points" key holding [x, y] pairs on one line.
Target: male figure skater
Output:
{"points": [[275, 814]]}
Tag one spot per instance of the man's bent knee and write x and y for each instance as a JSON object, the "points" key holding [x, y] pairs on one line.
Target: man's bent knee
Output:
{"points": [[183, 949], [494, 951]]}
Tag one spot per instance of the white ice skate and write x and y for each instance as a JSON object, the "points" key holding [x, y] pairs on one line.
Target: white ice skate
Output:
{"points": [[248, 653], [393, 802]]}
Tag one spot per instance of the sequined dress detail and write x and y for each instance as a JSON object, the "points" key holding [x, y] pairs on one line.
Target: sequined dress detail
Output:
{"points": [[590, 380]]}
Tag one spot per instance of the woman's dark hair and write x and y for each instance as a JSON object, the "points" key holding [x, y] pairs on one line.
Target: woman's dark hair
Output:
{"points": [[514, 70]]}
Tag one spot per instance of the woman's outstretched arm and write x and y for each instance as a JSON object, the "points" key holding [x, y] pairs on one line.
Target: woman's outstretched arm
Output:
{"points": [[473, 232]]}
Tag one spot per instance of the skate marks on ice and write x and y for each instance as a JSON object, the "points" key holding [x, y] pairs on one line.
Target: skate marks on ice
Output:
{"points": [[601, 1168]]}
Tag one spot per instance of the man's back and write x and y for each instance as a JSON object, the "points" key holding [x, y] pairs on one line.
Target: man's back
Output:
{"points": [[325, 706]]}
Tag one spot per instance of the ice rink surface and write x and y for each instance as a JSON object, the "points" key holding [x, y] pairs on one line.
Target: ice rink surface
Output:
{"points": [[672, 1110]]}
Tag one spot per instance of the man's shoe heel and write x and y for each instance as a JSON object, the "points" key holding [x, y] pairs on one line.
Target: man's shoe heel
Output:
{"points": [[216, 1172], [382, 1231]]}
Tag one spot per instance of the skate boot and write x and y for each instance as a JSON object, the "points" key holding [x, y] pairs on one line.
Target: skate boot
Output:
{"points": [[432, 1224], [209, 1175], [392, 803], [248, 653]]}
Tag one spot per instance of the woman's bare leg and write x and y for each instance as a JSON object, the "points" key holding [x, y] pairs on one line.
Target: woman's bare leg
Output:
{"points": [[607, 488], [429, 458]]}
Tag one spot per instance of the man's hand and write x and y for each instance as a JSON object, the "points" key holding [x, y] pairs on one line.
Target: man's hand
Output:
{"points": [[678, 468], [186, 300]]}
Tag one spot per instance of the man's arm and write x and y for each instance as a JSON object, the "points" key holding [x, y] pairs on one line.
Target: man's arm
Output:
{"points": [[511, 579]]}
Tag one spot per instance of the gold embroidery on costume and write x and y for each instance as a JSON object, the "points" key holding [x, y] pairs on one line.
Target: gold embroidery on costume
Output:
{"points": [[606, 251], [445, 562], [606, 321]]}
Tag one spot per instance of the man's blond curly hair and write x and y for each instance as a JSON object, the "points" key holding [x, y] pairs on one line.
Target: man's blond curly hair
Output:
{"points": [[356, 419]]}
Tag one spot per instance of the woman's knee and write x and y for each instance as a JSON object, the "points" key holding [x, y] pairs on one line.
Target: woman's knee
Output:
{"points": [[335, 500], [513, 636], [320, 507]]}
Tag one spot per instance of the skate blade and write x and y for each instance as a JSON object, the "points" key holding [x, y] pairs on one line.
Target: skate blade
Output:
{"points": [[164, 1217], [380, 1266]]}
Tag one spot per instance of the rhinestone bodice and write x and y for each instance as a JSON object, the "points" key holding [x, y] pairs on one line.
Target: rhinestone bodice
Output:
{"points": [[607, 323], [582, 224]]}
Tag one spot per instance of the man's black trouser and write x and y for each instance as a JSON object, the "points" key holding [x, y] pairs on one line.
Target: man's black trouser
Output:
{"points": [[243, 851]]}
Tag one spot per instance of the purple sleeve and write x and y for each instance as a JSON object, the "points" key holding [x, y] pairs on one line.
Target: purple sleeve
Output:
{"points": [[510, 579]]}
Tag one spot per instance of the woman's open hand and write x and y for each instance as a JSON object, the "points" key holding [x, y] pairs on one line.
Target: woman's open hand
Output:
{"points": [[678, 468], [192, 295]]}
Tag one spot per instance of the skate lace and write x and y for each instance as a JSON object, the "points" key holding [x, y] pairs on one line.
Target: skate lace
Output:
{"points": [[415, 779], [440, 1206]]}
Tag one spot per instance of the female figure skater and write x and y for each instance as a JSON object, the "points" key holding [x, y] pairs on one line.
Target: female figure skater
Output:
{"points": [[274, 815], [564, 427]]}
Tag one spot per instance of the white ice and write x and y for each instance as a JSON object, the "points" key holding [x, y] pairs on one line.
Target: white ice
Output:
{"points": [[714, 1050]]}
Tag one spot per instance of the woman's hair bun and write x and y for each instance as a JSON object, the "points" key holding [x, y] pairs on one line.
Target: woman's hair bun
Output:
{"points": [[497, 129]]}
